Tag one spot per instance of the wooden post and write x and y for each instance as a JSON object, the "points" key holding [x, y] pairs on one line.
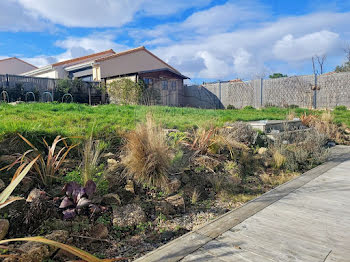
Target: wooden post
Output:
{"points": [[89, 94]]}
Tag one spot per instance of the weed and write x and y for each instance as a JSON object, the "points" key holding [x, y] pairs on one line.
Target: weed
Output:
{"points": [[195, 196]]}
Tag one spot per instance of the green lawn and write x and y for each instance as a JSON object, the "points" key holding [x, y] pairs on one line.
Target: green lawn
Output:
{"points": [[77, 119]]}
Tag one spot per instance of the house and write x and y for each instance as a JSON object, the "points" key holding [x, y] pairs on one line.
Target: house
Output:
{"points": [[108, 66], [14, 66]]}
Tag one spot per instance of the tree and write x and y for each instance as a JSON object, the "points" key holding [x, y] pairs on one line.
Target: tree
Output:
{"points": [[346, 66], [277, 75], [320, 60]]}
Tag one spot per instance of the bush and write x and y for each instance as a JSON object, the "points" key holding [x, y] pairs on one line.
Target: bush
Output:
{"points": [[230, 107], [146, 155], [248, 108], [340, 108], [299, 150], [240, 132], [125, 91]]}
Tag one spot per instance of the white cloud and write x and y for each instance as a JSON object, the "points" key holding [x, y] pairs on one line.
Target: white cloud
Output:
{"points": [[79, 46], [14, 18], [247, 52], [290, 48], [103, 13]]}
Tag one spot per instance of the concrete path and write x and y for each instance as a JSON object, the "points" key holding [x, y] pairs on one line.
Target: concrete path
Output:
{"points": [[306, 219]]}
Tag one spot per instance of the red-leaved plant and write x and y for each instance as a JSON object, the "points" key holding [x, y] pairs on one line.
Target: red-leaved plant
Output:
{"points": [[78, 198]]}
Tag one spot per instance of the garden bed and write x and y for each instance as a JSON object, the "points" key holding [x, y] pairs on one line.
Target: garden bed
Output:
{"points": [[153, 182]]}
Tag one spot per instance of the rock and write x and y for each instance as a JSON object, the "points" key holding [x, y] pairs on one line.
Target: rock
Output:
{"points": [[129, 215], [111, 199], [165, 208], [185, 178], [167, 235], [4, 228], [34, 194], [34, 251], [112, 165], [174, 186], [26, 184], [99, 231], [2, 184], [130, 186], [262, 150], [176, 201]]}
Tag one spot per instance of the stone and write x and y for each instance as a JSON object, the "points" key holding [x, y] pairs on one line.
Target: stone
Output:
{"points": [[112, 165], [35, 193], [99, 231], [111, 199], [262, 150], [165, 208], [26, 184], [176, 201], [129, 215], [4, 228], [174, 186], [2, 184], [35, 251], [130, 186]]}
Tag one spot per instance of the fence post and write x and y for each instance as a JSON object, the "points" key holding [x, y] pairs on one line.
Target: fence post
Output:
{"points": [[89, 88], [315, 93], [261, 91], [220, 102], [7, 81]]}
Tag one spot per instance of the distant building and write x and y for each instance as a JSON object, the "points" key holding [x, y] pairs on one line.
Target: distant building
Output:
{"points": [[108, 66], [14, 66]]}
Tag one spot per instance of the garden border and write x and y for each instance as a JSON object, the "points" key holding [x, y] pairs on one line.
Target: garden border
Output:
{"points": [[190, 242]]}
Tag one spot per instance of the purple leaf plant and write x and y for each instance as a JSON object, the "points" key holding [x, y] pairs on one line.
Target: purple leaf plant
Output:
{"points": [[77, 198]]}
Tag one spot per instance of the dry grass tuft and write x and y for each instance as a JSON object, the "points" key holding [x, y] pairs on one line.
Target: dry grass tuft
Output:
{"points": [[278, 159], [195, 196], [324, 124], [147, 156], [276, 180]]}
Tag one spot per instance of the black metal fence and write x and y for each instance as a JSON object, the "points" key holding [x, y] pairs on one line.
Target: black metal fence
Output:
{"points": [[22, 88]]}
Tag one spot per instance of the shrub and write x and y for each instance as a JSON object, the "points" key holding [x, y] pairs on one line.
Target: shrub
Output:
{"points": [[46, 165], [324, 124], [91, 156], [299, 150], [340, 108], [125, 91], [146, 155], [230, 107], [248, 108], [240, 132]]}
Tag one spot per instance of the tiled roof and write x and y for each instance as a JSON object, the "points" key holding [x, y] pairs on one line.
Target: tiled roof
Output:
{"points": [[11, 58], [74, 60]]}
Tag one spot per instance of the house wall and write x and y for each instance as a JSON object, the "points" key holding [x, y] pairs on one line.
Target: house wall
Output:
{"points": [[132, 78], [169, 96], [132, 62], [14, 66]]}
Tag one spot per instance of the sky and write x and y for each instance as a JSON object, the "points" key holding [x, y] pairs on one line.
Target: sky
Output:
{"points": [[204, 39]]}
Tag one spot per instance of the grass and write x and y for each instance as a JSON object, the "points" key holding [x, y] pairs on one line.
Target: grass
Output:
{"points": [[78, 119]]}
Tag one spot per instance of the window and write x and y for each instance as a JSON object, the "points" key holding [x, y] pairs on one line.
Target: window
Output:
{"points": [[173, 85], [165, 85], [148, 81]]}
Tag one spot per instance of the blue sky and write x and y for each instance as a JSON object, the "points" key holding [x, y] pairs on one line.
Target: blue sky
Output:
{"points": [[204, 39]]}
